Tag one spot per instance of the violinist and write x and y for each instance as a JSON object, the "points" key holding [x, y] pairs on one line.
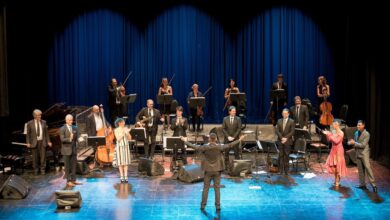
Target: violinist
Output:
{"points": [[323, 89], [232, 88], [113, 99], [195, 112], [94, 121], [165, 89]]}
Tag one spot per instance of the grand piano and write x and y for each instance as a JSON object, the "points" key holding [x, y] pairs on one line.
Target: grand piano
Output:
{"points": [[55, 118]]}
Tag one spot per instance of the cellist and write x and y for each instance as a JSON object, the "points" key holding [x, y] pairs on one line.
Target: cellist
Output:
{"points": [[323, 93]]}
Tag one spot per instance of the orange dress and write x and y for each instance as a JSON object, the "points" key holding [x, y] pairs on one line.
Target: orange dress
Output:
{"points": [[336, 155]]}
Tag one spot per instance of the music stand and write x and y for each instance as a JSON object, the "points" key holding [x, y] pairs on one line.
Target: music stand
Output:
{"points": [[139, 134], [302, 133], [174, 143], [238, 98], [96, 141], [266, 142], [278, 94]]}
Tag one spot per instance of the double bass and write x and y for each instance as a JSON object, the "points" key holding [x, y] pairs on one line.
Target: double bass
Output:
{"points": [[105, 153], [326, 117]]}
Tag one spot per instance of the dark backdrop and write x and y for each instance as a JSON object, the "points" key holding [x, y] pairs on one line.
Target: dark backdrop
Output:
{"points": [[353, 37]]}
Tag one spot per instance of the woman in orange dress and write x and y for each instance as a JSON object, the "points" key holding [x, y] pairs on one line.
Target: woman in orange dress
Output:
{"points": [[335, 163]]}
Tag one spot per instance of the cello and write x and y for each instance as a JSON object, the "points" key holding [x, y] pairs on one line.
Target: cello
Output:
{"points": [[105, 153], [326, 117]]}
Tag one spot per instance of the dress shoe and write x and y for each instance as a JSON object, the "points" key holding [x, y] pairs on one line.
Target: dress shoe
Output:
{"points": [[218, 209], [375, 189], [202, 208], [70, 184], [361, 187]]}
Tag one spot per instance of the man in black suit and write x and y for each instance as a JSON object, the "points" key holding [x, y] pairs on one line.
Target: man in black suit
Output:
{"points": [[179, 126], [300, 113], [212, 165], [231, 128], [37, 139], [69, 135], [285, 129], [94, 121], [151, 126], [279, 104]]}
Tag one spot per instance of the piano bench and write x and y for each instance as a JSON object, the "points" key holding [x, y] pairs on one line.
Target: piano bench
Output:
{"points": [[13, 161]]}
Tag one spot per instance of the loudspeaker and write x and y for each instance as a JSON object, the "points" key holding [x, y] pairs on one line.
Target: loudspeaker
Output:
{"points": [[68, 199], [191, 173], [241, 166], [150, 167], [14, 187]]}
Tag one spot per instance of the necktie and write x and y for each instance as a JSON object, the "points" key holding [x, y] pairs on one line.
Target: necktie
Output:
{"points": [[150, 117], [297, 112], [284, 123], [38, 129], [231, 120], [70, 129]]}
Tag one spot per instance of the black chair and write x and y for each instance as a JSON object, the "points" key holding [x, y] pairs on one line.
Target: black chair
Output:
{"points": [[299, 153]]}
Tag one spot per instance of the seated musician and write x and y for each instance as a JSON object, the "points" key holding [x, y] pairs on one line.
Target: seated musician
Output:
{"points": [[165, 89], [300, 113], [232, 88], [179, 126], [195, 116]]}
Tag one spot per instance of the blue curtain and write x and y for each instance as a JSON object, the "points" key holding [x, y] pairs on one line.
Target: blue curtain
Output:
{"points": [[187, 42]]}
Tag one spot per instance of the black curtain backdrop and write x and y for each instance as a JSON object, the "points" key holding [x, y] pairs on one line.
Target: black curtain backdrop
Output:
{"points": [[356, 35]]}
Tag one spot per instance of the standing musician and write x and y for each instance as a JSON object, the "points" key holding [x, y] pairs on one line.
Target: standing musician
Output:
{"points": [[37, 139], [94, 121], [279, 104], [195, 114], [151, 126], [300, 113], [323, 89], [179, 126], [231, 128], [232, 88], [114, 99], [285, 129], [165, 89], [69, 135]]}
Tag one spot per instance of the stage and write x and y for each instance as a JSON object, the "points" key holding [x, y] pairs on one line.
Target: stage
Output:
{"points": [[302, 195]]}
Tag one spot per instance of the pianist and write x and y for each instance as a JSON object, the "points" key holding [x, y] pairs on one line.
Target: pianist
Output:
{"points": [[37, 139]]}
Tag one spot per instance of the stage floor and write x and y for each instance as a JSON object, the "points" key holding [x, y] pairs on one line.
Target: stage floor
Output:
{"points": [[309, 196]]}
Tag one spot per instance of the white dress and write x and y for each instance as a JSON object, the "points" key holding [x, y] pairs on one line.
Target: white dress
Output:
{"points": [[122, 148]]}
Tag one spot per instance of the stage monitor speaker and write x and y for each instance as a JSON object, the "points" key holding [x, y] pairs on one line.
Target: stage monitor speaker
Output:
{"points": [[14, 187], [191, 173], [150, 167], [68, 199], [241, 167]]}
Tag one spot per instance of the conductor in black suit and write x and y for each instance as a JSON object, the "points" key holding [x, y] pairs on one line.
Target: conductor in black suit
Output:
{"points": [[37, 138], [179, 126], [212, 165], [300, 113], [285, 129], [231, 128], [151, 126], [69, 135]]}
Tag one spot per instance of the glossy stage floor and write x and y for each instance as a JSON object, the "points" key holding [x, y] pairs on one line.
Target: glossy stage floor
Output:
{"points": [[302, 195]]}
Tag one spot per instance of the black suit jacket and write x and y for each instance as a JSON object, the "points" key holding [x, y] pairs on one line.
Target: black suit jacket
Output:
{"points": [[31, 137], [303, 115], [144, 113], [68, 146], [213, 157], [179, 130], [232, 130], [288, 132], [91, 125]]}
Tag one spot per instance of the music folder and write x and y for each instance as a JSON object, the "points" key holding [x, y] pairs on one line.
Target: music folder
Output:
{"points": [[129, 99], [96, 141], [138, 133], [172, 142], [195, 102]]}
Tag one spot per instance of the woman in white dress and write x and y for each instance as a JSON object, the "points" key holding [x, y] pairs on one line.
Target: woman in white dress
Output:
{"points": [[122, 150]]}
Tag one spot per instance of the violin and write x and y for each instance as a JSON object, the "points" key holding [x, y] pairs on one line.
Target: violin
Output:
{"points": [[326, 117], [105, 153]]}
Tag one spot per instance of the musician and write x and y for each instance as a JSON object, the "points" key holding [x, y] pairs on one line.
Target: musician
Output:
{"points": [[179, 126], [151, 126], [165, 89], [69, 135], [360, 143], [122, 149], [195, 116], [300, 113], [94, 122], [212, 165], [285, 129], [232, 88], [231, 128], [37, 139], [114, 99], [323, 89], [279, 104]]}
